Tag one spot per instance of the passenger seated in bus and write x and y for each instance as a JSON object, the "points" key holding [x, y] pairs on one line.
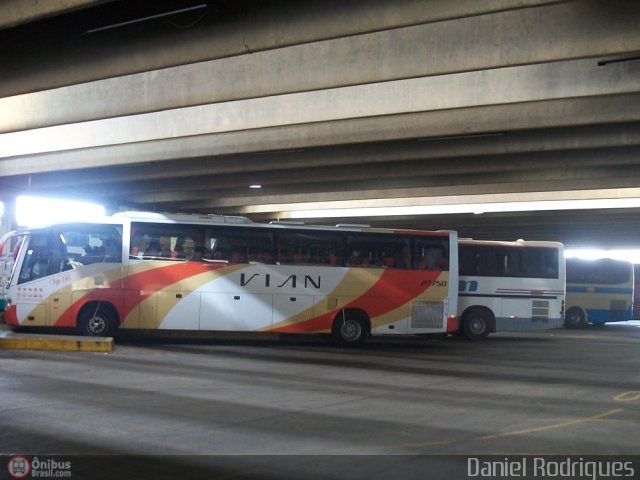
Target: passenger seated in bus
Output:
{"points": [[300, 259], [219, 255], [283, 259], [138, 245], [435, 259], [113, 251], [92, 255], [354, 260], [184, 248], [165, 247], [153, 250], [398, 260], [266, 257]]}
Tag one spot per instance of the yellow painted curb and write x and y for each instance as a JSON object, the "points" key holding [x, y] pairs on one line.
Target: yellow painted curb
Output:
{"points": [[28, 341]]}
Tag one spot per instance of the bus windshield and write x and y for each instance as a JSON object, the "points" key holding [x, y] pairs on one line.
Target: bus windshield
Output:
{"points": [[63, 248]]}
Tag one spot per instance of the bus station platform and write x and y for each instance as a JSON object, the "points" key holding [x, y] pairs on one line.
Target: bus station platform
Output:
{"points": [[33, 341]]}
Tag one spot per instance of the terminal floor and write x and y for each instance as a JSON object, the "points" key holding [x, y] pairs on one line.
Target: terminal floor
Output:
{"points": [[561, 392]]}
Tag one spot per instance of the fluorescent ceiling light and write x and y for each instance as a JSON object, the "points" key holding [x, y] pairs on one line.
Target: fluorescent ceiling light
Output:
{"points": [[630, 255], [476, 208], [462, 137], [452, 204], [34, 211], [149, 17]]}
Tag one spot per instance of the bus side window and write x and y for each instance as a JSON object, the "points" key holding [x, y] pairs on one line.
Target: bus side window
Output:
{"points": [[435, 259], [307, 248], [434, 255], [87, 244], [238, 245], [486, 264], [513, 263], [467, 261]]}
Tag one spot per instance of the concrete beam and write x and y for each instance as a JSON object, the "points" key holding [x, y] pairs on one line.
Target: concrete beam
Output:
{"points": [[464, 121], [552, 33], [471, 89], [268, 205], [234, 199], [228, 29], [271, 204], [607, 229], [465, 149], [533, 167], [17, 12]]}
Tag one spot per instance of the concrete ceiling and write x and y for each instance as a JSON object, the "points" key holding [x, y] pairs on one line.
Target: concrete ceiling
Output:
{"points": [[330, 106]]}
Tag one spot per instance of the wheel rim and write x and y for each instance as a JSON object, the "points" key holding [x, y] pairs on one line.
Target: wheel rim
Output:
{"points": [[97, 325], [573, 319], [351, 331], [477, 326]]}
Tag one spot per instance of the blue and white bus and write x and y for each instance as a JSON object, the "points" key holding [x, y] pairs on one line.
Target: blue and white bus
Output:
{"points": [[510, 286], [598, 291]]}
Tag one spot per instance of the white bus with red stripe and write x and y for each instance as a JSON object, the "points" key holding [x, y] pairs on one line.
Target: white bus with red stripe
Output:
{"points": [[149, 271], [510, 286]]}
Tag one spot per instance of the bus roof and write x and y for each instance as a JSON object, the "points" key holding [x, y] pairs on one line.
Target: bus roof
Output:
{"points": [[181, 217], [213, 219], [207, 219], [517, 243]]}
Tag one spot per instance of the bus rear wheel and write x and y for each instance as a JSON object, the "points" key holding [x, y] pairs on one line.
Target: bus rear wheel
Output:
{"points": [[476, 324], [349, 329], [574, 318], [96, 320]]}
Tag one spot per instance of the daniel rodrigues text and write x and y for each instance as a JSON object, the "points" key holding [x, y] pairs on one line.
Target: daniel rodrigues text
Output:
{"points": [[541, 467]]}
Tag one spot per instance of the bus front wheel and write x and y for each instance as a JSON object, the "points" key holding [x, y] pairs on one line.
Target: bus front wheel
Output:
{"points": [[476, 324], [574, 318], [96, 320]]}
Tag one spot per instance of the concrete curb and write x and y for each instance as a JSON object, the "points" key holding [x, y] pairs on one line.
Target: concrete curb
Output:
{"points": [[29, 341]]}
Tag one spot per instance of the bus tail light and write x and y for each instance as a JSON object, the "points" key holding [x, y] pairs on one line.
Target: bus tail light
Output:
{"points": [[452, 324]]}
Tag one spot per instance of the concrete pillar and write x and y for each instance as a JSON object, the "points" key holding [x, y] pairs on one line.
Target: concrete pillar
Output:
{"points": [[8, 218]]}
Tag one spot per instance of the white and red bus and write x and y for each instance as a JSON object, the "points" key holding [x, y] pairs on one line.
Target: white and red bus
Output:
{"points": [[510, 286], [149, 271]]}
